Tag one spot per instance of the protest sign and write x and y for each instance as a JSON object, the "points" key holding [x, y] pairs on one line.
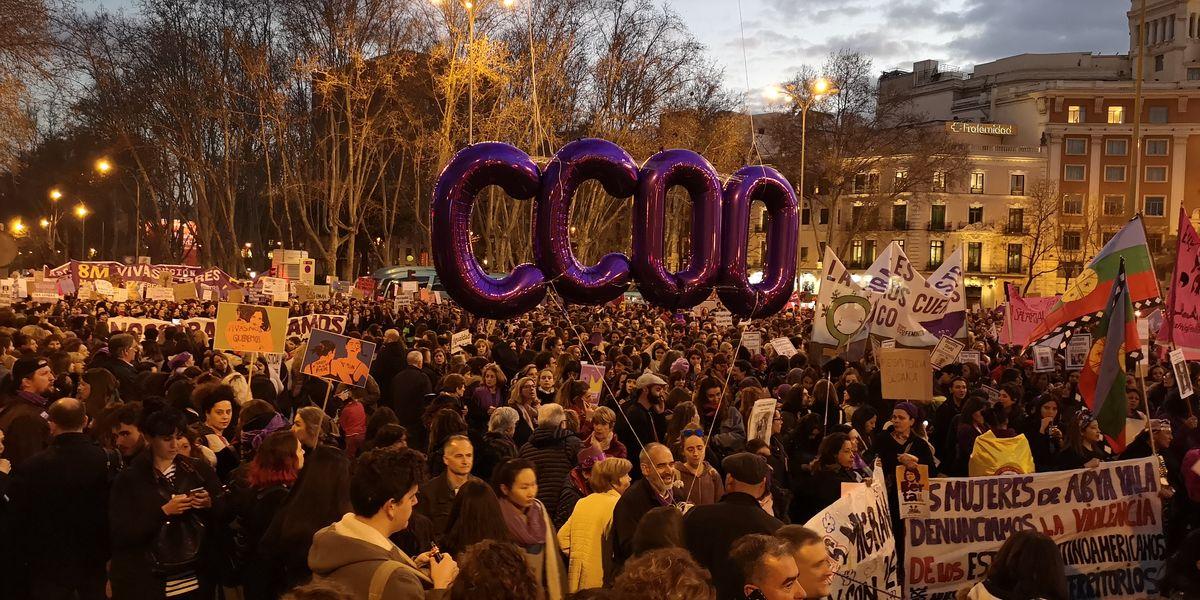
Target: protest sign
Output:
{"points": [[946, 352], [402, 300], [783, 346], [299, 328], [593, 375], [44, 291], [887, 344], [409, 287], [275, 288], [159, 293], [250, 328], [1077, 351], [912, 491], [184, 291], [1183, 377], [722, 318], [969, 356], [1043, 359], [1022, 315], [857, 531], [459, 340], [761, 416], [8, 291], [208, 326], [905, 374], [1106, 521], [752, 340], [338, 358], [235, 296], [87, 291]]}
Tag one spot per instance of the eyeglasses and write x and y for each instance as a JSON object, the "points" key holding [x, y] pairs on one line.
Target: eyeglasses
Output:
{"points": [[690, 432]]}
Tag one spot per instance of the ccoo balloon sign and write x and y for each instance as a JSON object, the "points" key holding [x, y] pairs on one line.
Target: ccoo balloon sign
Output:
{"points": [[719, 230]]}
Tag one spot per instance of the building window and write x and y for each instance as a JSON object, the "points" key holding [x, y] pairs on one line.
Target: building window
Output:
{"points": [[1076, 146], [939, 181], [937, 217], [1072, 241], [1014, 258], [1116, 147], [872, 183], [1074, 173], [1156, 174], [1159, 114], [1114, 173], [975, 256], [1155, 206], [1116, 115], [975, 215], [976, 183], [805, 216], [899, 243], [1016, 184], [1016, 220], [899, 180], [870, 251], [900, 217], [1114, 205], [1075, 113], [803, 254], [860, 183], [1072, 204], [856, 253], [824, 217], [1107, 236], [1158, 62], [1154, 243], [1156, 147], [1193, 74], [937, 248]]}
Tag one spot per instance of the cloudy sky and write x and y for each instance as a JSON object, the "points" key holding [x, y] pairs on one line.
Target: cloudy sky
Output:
{"points": [[782, 35]]}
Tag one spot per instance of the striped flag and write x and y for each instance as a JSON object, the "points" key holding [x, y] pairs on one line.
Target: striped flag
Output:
{"points": [[1102, 381]]}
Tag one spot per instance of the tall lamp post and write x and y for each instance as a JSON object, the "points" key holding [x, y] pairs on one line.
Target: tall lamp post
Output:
{"points": [[805, 99], [471, 6], [81, 213]]}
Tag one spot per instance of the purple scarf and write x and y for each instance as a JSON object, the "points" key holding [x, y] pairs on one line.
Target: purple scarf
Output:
{"points": [[528, 526], [33, 399]]}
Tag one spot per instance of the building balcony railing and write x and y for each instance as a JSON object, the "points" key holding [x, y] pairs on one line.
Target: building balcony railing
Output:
{"points": [[1014, 229], [938, 226]]}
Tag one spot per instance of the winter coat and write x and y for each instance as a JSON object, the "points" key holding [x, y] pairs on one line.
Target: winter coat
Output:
{"points": [[709, 533], [704, 489], [340, 554], [553, 451], [586, 537], [496, 449]]}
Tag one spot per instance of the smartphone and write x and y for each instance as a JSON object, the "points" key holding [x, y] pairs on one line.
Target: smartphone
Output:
{"points": [[194, 491], [435, 553]]}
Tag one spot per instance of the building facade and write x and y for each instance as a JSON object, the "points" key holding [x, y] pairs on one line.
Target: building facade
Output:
{"points": [[1049, 125]]}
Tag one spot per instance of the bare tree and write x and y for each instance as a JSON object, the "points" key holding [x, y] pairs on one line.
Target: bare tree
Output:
{"points": [[1043, 234]]}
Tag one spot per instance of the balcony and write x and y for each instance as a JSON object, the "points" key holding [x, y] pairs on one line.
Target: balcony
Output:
{"points": [[1014, 229], [896, 225], [938, 226]]}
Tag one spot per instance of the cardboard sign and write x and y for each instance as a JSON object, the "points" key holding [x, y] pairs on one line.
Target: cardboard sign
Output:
{"points": [[970, 356], [409, 287], [722, 318], [184, 291], [87, 290], [1183, 376], [338, 358], [160, 294], [460, 340], [905, 374], [761, 418], [236, 296], [1043, 359], [913, 491], [593, 375], [1077, 351], [752, 340], [275, 288], [887, 344], [783, 346], [44, 291], [946, 352], [250, 328], [320, 292]]}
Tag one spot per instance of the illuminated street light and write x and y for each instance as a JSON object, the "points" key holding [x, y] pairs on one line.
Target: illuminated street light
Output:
{"points": [[55, 194], [82, 211], [44, 222], [103, 166], [17, 227]]}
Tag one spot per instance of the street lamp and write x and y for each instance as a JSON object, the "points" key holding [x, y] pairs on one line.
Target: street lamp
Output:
{"points": [[45, 223], [55, 195], [817, 89], [17, 227], [103, 166], [81, 213]]}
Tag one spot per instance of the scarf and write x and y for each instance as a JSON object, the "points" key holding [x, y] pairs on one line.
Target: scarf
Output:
{"points": [[527, 526], [33, 399]]}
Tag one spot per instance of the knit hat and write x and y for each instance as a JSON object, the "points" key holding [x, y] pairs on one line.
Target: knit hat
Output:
{"points": [[588, 457], [746, 467], [913, 411], [681, 365], [179, 360]]}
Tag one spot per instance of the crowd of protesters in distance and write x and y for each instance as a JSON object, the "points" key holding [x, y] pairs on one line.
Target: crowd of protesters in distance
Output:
{"points": [[156, 467]]}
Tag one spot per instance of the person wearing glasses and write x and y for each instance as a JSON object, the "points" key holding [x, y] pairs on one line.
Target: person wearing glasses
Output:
{"points": [[701, 482]]}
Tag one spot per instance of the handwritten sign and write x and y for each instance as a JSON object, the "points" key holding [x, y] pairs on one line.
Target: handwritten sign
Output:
{"points": [[858, 536], [1107, 523], [783, 346], [905, 374], [752, 340], [946, 352], [722, 318], [459, 340]]}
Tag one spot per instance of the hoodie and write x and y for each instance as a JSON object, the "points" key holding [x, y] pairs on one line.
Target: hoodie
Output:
{"points": [[350, 551]]}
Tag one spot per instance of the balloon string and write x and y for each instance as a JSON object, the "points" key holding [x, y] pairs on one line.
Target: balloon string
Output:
{"points": [[746, 102]]}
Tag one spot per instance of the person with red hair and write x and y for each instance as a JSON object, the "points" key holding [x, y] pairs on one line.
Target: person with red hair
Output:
{"points": [[269, 478]]}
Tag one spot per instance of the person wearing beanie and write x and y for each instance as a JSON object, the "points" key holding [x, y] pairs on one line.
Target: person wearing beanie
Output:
{"points": [[709, 531], [23, 412]]}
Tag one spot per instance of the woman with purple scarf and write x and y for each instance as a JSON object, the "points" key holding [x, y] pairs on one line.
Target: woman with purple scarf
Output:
{"points": [[515, 483]]}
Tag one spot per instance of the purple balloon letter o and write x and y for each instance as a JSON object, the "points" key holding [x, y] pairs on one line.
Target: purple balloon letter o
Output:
{"points": [[779, 274], [472, 169], [692, 285], [574, 164]]}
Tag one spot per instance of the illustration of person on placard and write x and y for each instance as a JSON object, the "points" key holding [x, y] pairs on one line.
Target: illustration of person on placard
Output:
{"points": [[350, 369], [322, 366]]}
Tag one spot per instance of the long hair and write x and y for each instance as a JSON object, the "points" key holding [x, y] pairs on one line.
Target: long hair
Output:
{"points": [[474, 517], [831, 446], [275, 461], [246, 311], [320, 497], [514, 395], [1029, 565]]}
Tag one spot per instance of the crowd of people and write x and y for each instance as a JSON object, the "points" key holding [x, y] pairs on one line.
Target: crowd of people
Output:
{"points": [[153, 466]]}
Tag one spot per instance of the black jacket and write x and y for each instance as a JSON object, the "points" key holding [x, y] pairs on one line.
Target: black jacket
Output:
{"points": [[26, 431], [553, 451], [389, 361], [60, 497], [125, 373], [496, 449], [408, 391], [435, 500], [647, 426], [633, 505], [136, 517], [710, 530]]}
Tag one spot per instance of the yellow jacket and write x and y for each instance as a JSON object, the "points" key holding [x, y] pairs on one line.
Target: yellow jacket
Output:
{"points": [[586, 539]]}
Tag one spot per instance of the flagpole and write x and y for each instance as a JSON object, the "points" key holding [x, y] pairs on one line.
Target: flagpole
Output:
{"points": [[1008, 312]]}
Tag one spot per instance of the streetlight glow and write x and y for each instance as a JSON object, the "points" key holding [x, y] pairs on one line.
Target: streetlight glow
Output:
{"points": [[55, 194], [509, 3], [820, 86], [44, 222], [468, 5], [17, 227], [82, 211], [103, 166]]}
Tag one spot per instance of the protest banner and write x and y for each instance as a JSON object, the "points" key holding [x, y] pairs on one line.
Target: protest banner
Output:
{"points": [[857, 531], [593, 375], [459, 340], [1180, 327], [299, 328], [761, 416], [783, 347], [946, 352], [905, 374], [1107, 522], [337, 358], [250, 328], [208, 326], [134, 326], [159, 293], [1077, 351], [911, 309], [1022, 315], [44, 291], [1043, 359]]}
